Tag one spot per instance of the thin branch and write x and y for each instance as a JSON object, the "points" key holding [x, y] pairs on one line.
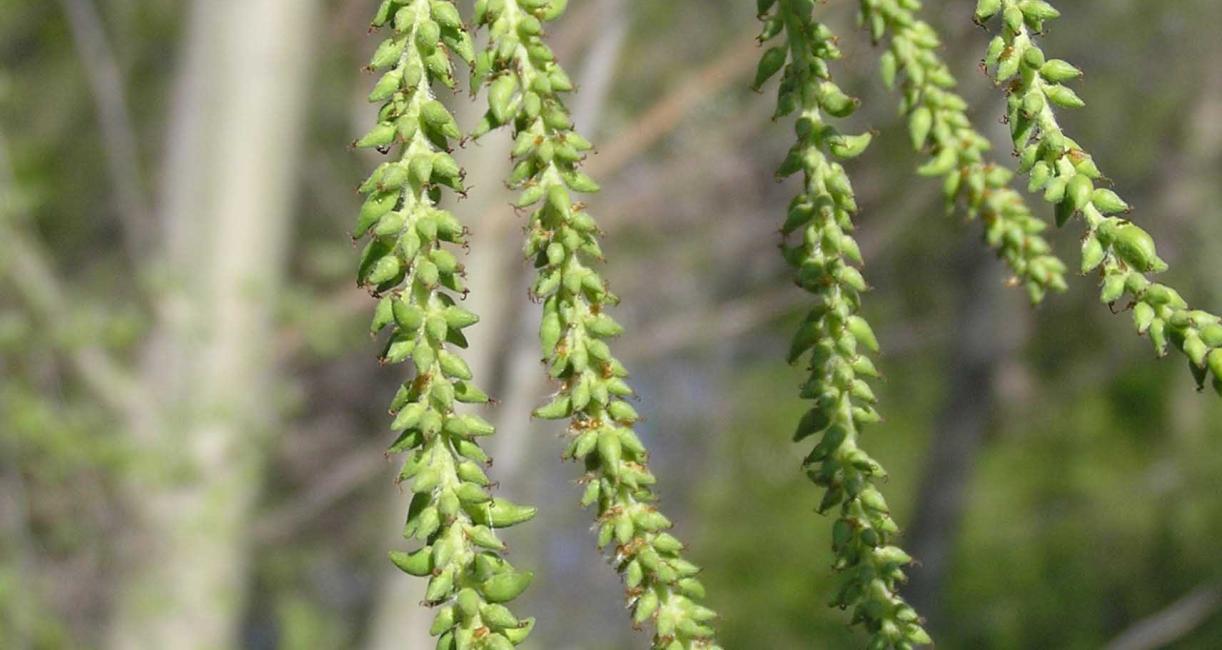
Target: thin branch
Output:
{"points": [[1173, 623], [41, 290], [601, 62], [342, 478], [114, 120], [665, 115]]}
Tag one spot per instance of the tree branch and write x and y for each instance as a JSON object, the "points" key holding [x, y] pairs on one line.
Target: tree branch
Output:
{"points": [[1171, 624], [39, 287], [665, 115], [118, 136]]}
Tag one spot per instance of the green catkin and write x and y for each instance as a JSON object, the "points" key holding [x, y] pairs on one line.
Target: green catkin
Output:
{"points": [[524, 91], [938, 123], [834, 336], [409, 266], [1121, 252]]}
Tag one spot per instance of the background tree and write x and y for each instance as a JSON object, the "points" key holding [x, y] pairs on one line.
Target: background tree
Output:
{"points": [[1089, 444]]}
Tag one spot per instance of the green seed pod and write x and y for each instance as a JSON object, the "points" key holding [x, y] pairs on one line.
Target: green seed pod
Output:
{"points": [[1063, 96], [388, 85], [1211, 334], [506, 586], [1013, 17], [1033, 102], [418, 564], [1113, 288], [518, 635], [863, 333], [1038, 10], [770, 63], [503, 513], [1136, 247], [379, 136], [919, 125], [850, 146], [1058, 71], [1214, 361], [1079, 191], [986, 9], [443, 621], [835, 102], [1108, 202], [409, 317], [498, 617], [388, 53], [439, 586], [1143, 316], [1093, 254], [434, 115], [646, 607]]}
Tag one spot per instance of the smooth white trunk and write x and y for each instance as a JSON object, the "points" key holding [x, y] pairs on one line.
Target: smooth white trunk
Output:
{"points": [[207, 406]]}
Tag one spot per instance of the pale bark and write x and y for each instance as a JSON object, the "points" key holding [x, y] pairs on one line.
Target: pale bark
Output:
{"points": [[114, 122], [1172, 624], [208, 397]]}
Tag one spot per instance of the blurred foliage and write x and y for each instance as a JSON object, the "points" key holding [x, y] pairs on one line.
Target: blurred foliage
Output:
{"points": [[1097, 500]]}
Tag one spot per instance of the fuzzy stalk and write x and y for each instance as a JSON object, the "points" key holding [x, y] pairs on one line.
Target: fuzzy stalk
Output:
{"points": [[525, 87], [1122, 254], [834, 338], [939, 126], [410, 266]]}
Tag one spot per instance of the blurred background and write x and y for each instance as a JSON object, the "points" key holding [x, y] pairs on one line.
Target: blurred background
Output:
{"points": [[192, 420]]}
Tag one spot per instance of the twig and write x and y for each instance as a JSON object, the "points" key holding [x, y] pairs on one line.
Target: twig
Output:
{"points": [[45, 297], [598, 70], [341, 479], [665, 115], [1173, 623], [114, 120]]}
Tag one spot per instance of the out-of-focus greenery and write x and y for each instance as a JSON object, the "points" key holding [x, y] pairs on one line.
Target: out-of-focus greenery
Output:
{"points": [[1096, 500]]}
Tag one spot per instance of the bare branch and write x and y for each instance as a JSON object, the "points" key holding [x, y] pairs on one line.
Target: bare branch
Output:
{"points": [[342, 478], [118, 136], [41, 290], [598, 70], [1173, 623], [665, 115]]}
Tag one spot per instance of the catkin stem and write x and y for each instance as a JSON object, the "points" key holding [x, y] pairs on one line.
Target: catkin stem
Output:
{"points": [[409, 265], [1122, 254], [938, 124], [834, 339], [525, 88]]}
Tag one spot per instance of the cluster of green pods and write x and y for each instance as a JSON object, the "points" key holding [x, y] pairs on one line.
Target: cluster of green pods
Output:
{"points": [[411, 266], [938, 124], [1122, 253], [525, 87], [835, 339]]}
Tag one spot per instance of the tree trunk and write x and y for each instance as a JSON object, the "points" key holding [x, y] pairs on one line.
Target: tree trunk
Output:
{"points": [[207, 391]]}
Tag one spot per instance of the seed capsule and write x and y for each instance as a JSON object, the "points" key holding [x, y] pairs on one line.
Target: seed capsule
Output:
{"points": [[1136, 247], [986, 9], [419, 563], [770, 63], [919, 125], [506, 586]]}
